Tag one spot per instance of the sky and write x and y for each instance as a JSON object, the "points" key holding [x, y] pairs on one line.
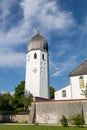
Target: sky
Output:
{"points": [[63, 23]]}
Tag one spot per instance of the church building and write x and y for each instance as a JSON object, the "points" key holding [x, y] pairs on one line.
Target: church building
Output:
{"points": [[37, 73], [37, 67], [78, 83]]}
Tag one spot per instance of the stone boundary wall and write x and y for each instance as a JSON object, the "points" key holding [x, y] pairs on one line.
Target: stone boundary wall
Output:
{"points": [[21, 118], [52, 111]]}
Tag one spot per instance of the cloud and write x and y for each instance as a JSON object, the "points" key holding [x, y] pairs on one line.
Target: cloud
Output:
{"points": [[4, 7], [16, 32], [46, 14], [35, 13], [62, 48], [9, 58], [60, 68], [69, 53]]}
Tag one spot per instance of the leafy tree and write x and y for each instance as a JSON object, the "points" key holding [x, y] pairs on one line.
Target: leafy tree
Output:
{"points": [[52, 90], [18, 100], [27, 101], [84, 92], [21, 101], [5, 101]]}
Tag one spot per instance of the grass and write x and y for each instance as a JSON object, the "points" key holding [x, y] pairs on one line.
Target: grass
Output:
{"points": [[37, 127]]}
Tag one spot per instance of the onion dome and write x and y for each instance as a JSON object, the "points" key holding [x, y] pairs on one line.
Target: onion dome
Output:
{"points": [[38, 42]]}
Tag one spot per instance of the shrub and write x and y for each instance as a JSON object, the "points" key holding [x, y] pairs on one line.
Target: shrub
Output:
{"points": [[64, 121], [20, 109], [78, 120]]}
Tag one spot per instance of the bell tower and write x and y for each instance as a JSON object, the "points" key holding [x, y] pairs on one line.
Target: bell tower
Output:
{"points": [[37, 67]]}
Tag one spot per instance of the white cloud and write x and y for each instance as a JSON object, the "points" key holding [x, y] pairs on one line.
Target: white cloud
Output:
{"points": [[43, 14], [12, 59], [47, 14], [71, 53], [60, 68], [62, 48]]}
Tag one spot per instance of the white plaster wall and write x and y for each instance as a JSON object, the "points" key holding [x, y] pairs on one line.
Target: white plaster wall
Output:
{"points": [[73, 91], [75, 86], [52, 111], [58, 94], [37, 82], [32, 82], [44, 75]]}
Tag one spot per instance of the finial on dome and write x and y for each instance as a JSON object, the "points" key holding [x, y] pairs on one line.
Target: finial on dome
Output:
{"points": [[38, 32]]}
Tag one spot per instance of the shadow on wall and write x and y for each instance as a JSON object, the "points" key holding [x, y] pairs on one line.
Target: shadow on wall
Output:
{"points": [[6, 118]]}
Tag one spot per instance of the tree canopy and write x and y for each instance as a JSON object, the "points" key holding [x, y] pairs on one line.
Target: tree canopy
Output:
{"points": [[19, 95], [17, 101], [5, 101], [52, 90]]}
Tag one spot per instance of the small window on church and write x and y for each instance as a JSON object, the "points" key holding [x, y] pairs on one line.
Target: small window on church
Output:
{"points": [[81, 81], [35, 56], [63, 93], [43, 56]]}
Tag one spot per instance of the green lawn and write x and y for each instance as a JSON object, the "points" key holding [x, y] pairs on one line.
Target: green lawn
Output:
{"points": [[34, 127]]}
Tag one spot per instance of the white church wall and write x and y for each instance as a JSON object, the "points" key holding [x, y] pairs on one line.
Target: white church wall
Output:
{"points": [[63, 94], [74, 90], [75, 86]]}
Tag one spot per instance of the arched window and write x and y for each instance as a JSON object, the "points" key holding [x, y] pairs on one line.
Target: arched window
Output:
{"points": [[35, 56], [81, 81], [43, 56]]}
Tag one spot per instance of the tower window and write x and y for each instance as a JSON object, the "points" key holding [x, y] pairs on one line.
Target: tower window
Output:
{"points": [[63, 93], [43, 56], [35, 56], [81, 81]]}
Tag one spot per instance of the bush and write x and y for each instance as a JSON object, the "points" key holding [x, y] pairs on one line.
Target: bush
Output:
{"points": [[20, 109], [64, 121], [78, 120]]}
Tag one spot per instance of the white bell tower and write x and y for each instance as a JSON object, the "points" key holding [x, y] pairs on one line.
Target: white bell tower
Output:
{"points": [[37, 68]]}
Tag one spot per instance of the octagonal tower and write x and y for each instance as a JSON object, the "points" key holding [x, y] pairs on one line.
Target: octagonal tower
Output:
{"points": [[37, 67]]}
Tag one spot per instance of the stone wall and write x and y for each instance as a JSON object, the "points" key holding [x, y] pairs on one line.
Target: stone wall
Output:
{"points": [[14, 118], [52, 111], [49, 111]]}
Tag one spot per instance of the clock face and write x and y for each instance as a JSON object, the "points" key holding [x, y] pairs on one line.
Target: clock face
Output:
{"points": [[34, 70]]}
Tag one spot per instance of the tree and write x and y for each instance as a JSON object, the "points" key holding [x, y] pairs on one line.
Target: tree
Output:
{"points": [[84, 92], [18, 100], [52, 90], [27, 101], [5, 102]]}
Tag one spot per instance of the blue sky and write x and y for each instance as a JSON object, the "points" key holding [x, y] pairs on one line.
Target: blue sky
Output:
{"points": [[63, 23]]}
